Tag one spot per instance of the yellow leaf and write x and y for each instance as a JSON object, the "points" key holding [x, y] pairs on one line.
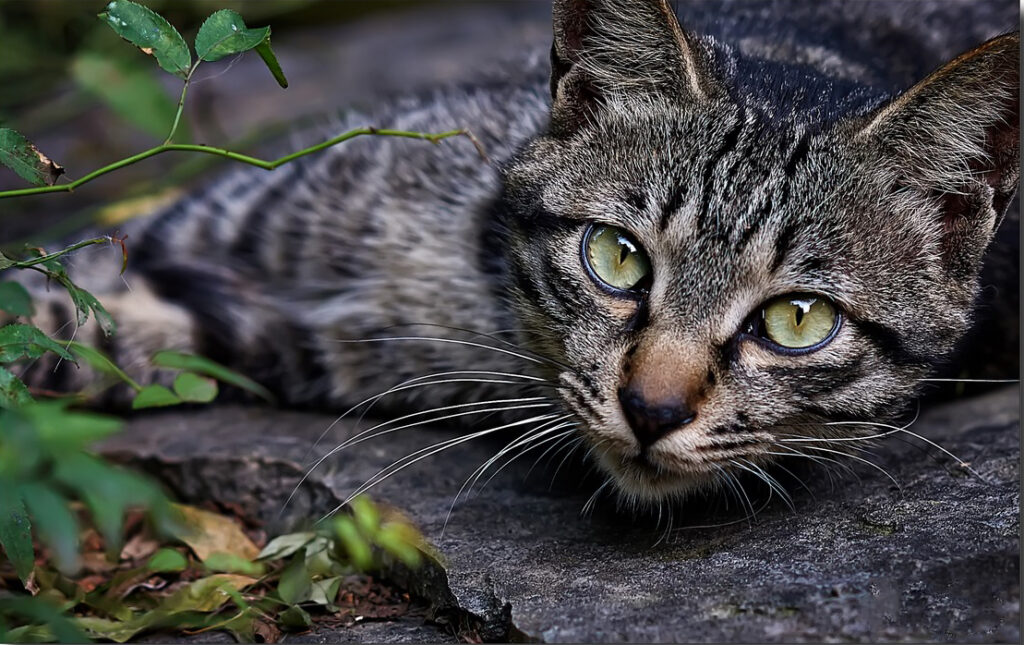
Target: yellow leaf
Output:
{"points": [[208, 533]]}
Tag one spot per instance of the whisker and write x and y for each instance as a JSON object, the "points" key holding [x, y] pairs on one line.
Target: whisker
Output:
{"points": [[491, 336], [475, 475], [860, 459], [452, 341], [362, 436], [764, 476], [413, 383], [588, 506], [423, 453]]}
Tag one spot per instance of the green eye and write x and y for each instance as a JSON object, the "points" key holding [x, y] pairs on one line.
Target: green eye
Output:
{"points": [[799, 322], [615, 259]]}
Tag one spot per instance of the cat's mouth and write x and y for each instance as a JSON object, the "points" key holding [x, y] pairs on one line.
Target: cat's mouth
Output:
{"points": [[644, 475]]}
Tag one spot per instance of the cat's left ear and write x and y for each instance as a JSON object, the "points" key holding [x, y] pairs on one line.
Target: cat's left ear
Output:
{"points": [[956, 135]]}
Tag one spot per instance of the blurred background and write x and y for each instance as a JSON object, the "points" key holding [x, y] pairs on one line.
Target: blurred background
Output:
{"points": [[87, 98]]}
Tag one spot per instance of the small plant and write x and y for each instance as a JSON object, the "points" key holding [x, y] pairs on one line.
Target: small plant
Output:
{"points": [[54, 486]]}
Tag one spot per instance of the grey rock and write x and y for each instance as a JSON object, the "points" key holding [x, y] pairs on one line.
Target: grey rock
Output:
{"points": [[856, 558]]}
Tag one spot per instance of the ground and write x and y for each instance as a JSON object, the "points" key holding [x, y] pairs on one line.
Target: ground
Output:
{"points": [[859, 558]]}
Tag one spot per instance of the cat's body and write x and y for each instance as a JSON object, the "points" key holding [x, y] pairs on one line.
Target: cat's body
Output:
{"points": [[746, 169]]}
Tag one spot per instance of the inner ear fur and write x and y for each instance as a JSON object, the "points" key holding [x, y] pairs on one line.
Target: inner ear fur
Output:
{"points": [[956, 134], [955, 137], [605, 49]]}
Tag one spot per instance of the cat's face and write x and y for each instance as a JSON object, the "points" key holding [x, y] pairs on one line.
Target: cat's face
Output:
{"points": [[716, 288]]}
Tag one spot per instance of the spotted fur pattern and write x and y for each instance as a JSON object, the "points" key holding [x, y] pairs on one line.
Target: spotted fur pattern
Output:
{"points": [[744, 175]]}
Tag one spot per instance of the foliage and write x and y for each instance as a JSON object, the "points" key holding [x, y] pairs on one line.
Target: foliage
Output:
{"points": [[214, 577], [53, 486]]}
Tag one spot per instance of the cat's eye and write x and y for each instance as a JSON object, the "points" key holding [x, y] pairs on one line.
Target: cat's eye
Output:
{"points": [[615, 259], [799, 322]]}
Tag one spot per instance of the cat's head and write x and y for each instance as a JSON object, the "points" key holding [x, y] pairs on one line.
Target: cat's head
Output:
{"points": [[717, 283]]}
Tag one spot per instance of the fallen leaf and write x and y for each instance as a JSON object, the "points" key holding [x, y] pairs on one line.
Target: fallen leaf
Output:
{"points": [[139, 547], [208, 533]]}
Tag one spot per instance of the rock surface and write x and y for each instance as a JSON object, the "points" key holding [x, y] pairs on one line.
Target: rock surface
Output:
{"points": [[857, 558]]}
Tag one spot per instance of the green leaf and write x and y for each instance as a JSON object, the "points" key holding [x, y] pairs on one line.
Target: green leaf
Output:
{"points": [[397, 540], [149, 32], [16, 531], [14, 299], [86, 302], [325, 592], [18, 154], [206, 594], [285, 545], [99, 361], [166, 561], [295, 583], [295, 618], [13, 392], [26, 341], [154, 396], [128, 88], [65, 429], [54, 521], [41, 611], [233, 563], [194, 388], [355, 544], [192, 363], [366, 515], [224, 33], [267, 54]]}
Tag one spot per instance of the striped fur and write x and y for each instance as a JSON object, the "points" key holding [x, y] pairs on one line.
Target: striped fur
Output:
{"points": [[739, 192]]}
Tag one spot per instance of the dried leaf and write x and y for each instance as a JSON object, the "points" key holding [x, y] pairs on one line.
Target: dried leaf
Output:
{"points": [[208, 533]]}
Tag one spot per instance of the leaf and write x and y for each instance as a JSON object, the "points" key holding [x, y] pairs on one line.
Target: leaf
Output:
{"points": [[86, 302], [14, 299], [366, 515], [283, 546], [16, 532], [224, 33], [192, 363], [231, 563], [205, 594], [194, 388], [128, 88], [295, 583], [208, 533], [26, 341], [325, 592], [355, 544], [13, 392], [18, 154], [267, 54], [154, 396], [151, 33], [65, 429], [167, 560], [400, 541], [39, 611], [295, 618], [54, 521], [99, 361]]}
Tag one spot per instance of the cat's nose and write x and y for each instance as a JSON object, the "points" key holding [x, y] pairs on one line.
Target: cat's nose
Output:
{"points": [[652, 420]]}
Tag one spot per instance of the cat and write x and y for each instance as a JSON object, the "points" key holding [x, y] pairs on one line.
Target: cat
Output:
{"points": [[692, 259]]}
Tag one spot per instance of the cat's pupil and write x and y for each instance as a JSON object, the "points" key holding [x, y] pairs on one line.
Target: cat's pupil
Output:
{"points": [[623, 252], [799, 315]]}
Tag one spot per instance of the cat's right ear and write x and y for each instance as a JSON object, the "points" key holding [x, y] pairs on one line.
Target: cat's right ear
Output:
{"points": [[620, 49], [956, 136]]}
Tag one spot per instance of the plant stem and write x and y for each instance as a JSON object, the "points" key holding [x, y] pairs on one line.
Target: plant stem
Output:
{"points": [[181, 102], [252, 161], [28, 264]]}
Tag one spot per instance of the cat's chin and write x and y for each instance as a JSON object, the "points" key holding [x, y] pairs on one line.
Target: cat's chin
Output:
{"points": [[639, 480]]}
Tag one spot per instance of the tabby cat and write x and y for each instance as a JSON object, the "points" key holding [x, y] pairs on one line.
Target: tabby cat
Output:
{"points": [[692, 258]]}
